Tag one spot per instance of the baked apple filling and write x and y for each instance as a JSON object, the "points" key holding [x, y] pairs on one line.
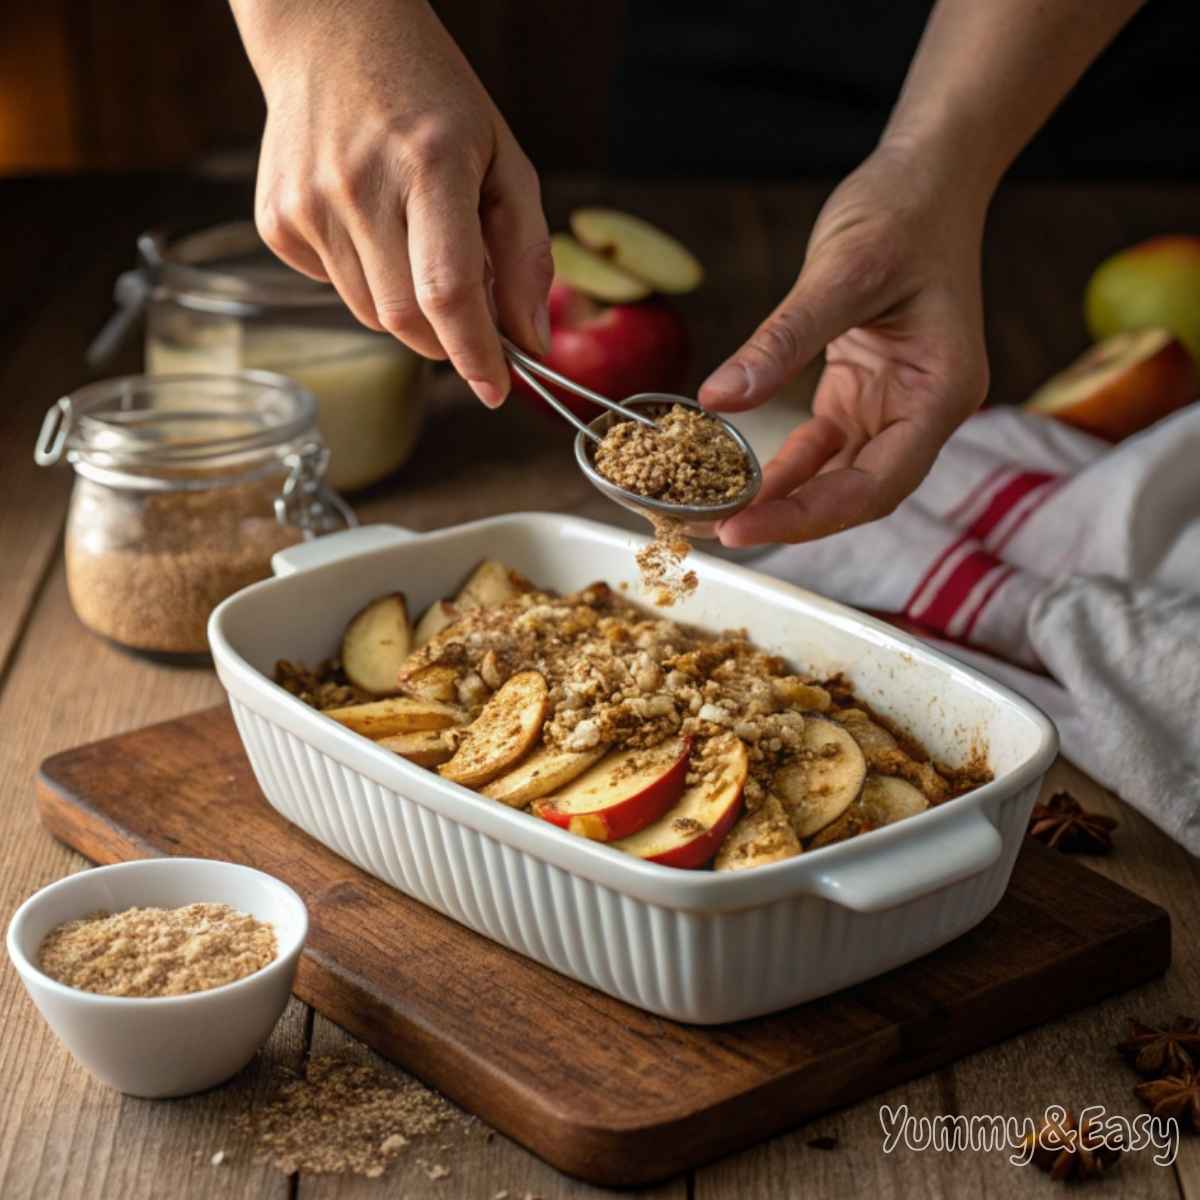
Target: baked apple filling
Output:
{"points": [[675, 745]]}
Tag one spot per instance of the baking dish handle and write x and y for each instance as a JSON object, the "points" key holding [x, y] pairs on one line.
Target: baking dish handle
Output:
{"points": [[940, 856], [333, 546]]}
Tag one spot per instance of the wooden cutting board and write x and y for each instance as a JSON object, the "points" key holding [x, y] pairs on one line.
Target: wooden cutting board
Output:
{"points": [[597, 1088]]}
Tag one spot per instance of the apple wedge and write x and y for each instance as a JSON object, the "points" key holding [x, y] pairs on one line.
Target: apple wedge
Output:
{"points": [[398, 714], [592, 274], [817, 789], [434, 682], [851, 823], [426, 748], [377, 640], [622, 793], [889, 798], [490, 585], [758, 838], [884, 799], [871, 737], [439, 615], [546, 770], [690, 834], [507, 728], [1121, 385], [638, 248]]}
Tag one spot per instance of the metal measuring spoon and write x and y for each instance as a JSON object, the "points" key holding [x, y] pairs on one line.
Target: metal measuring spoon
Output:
{"points": [[699, 520]]}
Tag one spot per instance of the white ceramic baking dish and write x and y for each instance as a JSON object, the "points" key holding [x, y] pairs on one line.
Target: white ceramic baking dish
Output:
{"points": [[693, 945]]}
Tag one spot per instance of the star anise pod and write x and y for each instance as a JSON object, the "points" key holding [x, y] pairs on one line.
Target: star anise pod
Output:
{"points": [[1064, 824], [1066, 1150], [1168, 1051], [1173, 1096]]}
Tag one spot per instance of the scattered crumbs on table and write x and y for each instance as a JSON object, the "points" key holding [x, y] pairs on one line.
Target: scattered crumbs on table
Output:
{"points": [[218, 1158], [344, 1117]]}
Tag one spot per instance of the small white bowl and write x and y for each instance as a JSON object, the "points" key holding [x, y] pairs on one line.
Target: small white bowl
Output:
{"points": [[162, 1045]]}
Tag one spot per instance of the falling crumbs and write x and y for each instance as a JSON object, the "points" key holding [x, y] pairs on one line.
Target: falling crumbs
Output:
{"points": [[685, 458], [157, 951], [345, 1117]]}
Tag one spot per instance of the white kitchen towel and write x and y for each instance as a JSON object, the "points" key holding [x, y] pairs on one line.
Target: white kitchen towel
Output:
{"points": [[1068, 569]]}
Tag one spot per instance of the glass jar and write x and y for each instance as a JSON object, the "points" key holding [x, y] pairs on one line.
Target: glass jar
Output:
{"points": [[185, 487], [218, 300]]}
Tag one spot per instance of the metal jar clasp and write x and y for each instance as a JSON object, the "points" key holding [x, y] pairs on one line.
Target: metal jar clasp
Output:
{"points": [[305, 502]]}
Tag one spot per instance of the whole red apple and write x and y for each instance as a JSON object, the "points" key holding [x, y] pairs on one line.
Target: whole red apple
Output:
{"points": [[617, 350]]}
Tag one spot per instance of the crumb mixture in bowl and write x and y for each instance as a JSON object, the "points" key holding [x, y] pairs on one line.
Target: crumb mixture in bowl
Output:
{"points": [[686, 458], [157, 951], [615, 679]]}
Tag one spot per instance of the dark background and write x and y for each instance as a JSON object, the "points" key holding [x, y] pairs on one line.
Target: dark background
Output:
{"points": [[710, 88]]}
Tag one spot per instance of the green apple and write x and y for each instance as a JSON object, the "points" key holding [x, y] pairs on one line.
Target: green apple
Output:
{"points": [[1155, 284]]}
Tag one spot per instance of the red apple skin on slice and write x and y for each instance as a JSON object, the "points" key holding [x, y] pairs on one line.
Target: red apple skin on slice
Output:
{"points": [[622, 793], [1121, 385], [544, 771], [690, 834]]}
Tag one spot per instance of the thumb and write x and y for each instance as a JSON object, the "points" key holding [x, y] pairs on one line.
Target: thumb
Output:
{"points": [[826, 300]]}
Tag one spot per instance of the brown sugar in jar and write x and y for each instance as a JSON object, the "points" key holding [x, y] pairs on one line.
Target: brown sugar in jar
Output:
{"points": [[186, 486]]}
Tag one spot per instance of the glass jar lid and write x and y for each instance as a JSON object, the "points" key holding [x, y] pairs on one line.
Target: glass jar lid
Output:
{"points": [[228, 269], [195, 432]]}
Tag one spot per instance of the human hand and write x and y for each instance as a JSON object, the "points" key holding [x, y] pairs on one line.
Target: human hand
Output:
{"points": [[387, 171], [890, 289]]}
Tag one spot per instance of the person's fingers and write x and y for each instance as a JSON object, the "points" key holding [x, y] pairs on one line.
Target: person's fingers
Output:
{"points": [[885, 470], [381, 239], [807, 449], [278, 225], [445, 244], [518, 244], [836, 290], [345, 271], [300, 224]]}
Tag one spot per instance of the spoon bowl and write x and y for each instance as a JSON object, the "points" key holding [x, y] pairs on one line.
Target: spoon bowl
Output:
{"points": [[698, 520]]}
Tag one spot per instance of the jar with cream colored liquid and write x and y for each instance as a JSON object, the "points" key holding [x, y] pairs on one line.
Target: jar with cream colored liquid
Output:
{"points": [[219, 301]]}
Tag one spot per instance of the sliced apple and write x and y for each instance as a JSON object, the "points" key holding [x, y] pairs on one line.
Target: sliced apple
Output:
{"points": [[758, 838], [622, 793], [690, 834], [434, 682], [544, 771], [1121, 385], [439, 615], [397, 714], [817, 789], [507, 728], [490, 585], [638, 248], [377, 640], [592, 274], [872, 738], [884, 799], [426, 748], [891, 799], [851, 823]]}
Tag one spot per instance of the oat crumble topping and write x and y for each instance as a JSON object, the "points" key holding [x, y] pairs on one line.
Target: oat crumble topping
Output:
{"points": [[686, 458], [157, 951], [620, 676]]}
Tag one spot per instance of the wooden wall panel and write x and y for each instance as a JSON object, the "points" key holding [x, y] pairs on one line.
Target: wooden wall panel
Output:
{"points": [[38, 98], [148, 83]]}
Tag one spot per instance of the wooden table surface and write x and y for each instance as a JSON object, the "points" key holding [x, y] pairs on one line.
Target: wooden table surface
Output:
{"points": [[64, 1135]]}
